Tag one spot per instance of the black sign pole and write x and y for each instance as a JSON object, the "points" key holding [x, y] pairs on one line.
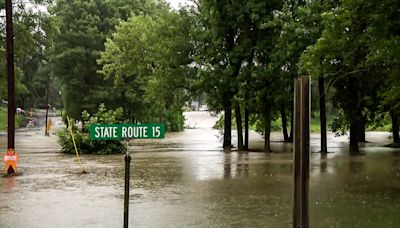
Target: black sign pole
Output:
{"points": [[126, 198]]}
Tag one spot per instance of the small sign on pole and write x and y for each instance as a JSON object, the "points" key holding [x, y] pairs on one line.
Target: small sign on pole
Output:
{"points": [[11, 158], [127, 131]]}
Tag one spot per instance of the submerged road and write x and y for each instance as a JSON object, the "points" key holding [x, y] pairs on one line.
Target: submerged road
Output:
{"points": [[186, 180]]}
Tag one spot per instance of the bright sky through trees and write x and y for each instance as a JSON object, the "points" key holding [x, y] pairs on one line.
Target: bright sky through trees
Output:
{"points": [[175, 3]]}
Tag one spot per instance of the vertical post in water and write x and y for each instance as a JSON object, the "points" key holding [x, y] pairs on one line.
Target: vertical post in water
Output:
{"points": [[10, 74], [61, 103], [126, 198], [301, 159], [46, 129], [322, 114]]}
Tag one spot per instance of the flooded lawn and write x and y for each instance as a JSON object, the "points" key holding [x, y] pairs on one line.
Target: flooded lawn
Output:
{"points": [[185, 180]]}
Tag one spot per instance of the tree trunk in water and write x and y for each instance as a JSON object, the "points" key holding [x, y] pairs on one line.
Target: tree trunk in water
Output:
{"points": [[322, 115], [227, 124], [354, 134], [395, 127], [238, 116], [362, 130], [267, 125], [284, 123], [354, 116], [246, 129], [291, 121]]}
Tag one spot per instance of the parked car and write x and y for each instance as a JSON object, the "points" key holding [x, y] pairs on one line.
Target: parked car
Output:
{"points": [[21, 111]]}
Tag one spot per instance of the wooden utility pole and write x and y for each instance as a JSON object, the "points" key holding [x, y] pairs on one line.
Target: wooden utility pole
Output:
{"points": [[10, 76], [301, 159]]}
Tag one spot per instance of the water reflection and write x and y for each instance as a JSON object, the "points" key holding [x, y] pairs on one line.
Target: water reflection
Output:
{"points": [[10, 184], [396, 167], [242, 167], [323, 167], [228, 165], [157, 172], [188, 183], [357, 167]]}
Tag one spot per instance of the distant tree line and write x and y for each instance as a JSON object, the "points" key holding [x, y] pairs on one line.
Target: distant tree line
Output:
{"points": [[250, 52], [244, 55]]}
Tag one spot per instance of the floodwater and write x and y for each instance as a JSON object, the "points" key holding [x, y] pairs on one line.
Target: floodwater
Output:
{"points": [[186, 180]]}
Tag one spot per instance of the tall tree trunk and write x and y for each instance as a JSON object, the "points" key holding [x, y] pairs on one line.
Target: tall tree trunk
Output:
{"points": [[395, 127], [291, 121], [227, 124], [246, 129], [238, 116], [267, 127], [322, 115], [355, 115], [362, 130], [284, 123], [354, 134]]}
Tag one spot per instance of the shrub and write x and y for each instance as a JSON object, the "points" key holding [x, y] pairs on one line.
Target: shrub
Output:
{"points": [[175, 121], [81, 135]]}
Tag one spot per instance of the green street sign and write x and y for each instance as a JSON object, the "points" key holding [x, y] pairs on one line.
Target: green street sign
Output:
{"points": [[126, 131]]}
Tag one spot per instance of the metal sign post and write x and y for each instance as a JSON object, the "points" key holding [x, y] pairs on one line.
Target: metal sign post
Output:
{"points": [[126, 198], [125, 132], [301, 159]]}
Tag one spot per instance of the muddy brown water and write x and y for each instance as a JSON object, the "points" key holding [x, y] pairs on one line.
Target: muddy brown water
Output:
{"points": [[186, 180]]}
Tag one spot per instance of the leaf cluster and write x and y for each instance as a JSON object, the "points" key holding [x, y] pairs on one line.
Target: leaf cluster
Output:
{"points": [[83, 142]]}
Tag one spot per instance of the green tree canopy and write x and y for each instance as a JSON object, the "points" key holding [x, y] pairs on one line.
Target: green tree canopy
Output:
{"points": [[148, 58], [345, 54], [83, 28]]}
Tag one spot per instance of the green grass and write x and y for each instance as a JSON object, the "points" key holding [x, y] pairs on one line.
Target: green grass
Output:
{"points": [[58, 112], [3, 119], [20, 120], [384, 127], [276, 125], [314, 125]]}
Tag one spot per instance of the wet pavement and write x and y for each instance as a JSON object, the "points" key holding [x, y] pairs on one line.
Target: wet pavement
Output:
{"points": [[186, 180]]}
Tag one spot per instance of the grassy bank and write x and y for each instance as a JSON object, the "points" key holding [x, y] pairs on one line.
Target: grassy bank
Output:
{"points": [[276, 125], [20, 120], [58, 112]]}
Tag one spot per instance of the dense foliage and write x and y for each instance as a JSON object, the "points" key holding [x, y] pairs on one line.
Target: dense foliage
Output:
{"points": [[149, 66], [242, 56], [33, 32], [81, 134]]}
